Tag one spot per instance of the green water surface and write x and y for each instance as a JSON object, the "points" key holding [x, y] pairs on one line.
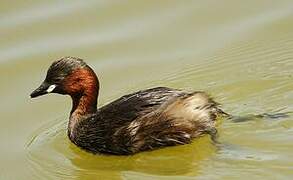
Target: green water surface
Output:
{"points": [[241, 52]]}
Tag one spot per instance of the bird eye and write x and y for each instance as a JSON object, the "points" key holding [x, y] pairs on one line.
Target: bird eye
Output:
{"points": [[54, 80], [78, 79]]}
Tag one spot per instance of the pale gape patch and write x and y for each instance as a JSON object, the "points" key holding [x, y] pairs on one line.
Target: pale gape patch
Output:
{"points": [[51, 88]]}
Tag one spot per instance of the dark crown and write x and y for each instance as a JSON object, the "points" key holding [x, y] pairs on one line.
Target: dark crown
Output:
{"points": [[63, 67]]}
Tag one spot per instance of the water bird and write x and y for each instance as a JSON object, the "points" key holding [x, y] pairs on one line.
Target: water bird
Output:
{"points": [[145, 120]]}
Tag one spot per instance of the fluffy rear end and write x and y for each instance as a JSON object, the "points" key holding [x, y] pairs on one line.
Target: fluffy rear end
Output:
{"points": [[176, 122]]}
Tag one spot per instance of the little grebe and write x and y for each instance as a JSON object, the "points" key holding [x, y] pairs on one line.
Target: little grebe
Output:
{"points": [[144, 120]]}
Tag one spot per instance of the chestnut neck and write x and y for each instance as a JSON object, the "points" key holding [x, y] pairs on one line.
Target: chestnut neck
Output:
{"points": [[84, 104], [83, 87]]}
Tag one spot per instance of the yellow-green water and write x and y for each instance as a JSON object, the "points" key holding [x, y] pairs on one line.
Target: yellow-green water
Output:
{"points": [[241, 52]]}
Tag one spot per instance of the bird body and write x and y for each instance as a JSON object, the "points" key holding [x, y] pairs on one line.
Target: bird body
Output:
{"points": [[141, 121]]}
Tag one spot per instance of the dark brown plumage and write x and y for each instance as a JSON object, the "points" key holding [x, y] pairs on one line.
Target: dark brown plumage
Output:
{"points": [[141, 121]]}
